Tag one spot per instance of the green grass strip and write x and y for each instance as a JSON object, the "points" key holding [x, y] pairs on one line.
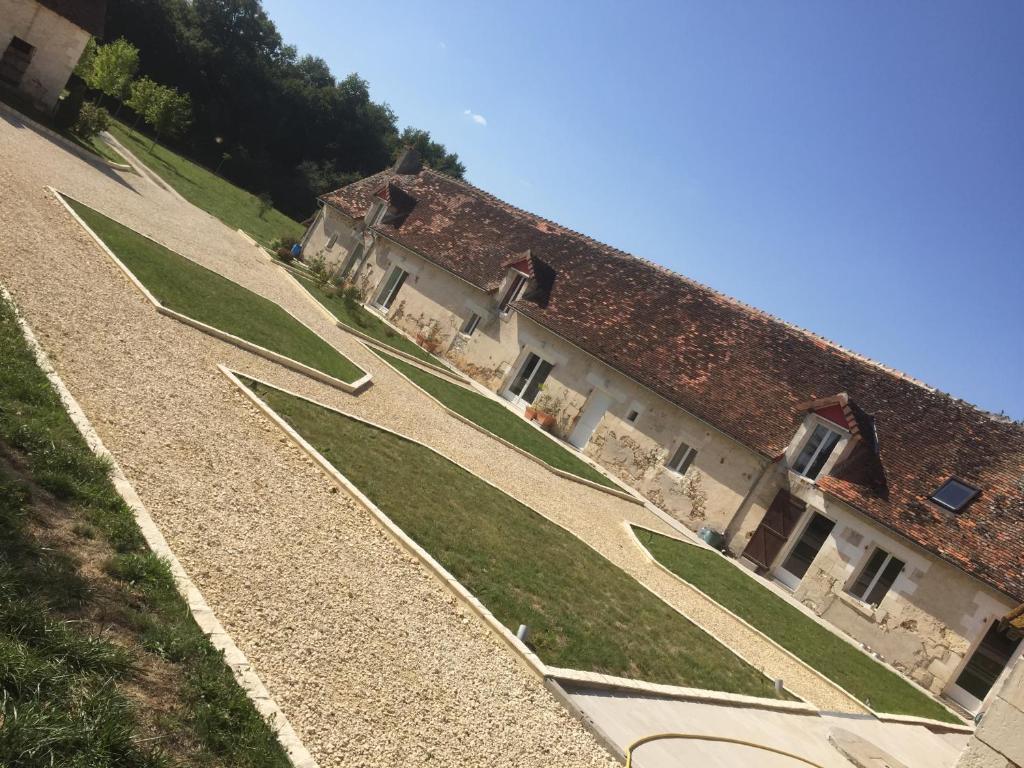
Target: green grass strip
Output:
{"points": [[583, 611], [879, 688], [232, 205], [184, 286], [355, 316], [499, 420]]}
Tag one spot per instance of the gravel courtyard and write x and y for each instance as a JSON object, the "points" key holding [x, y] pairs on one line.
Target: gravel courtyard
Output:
{"points": [[370, 659]]}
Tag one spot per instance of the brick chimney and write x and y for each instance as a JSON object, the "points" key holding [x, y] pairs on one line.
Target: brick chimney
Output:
{"points": [[409, 162]]}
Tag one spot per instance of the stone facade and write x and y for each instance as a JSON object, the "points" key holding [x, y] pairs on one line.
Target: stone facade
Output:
{"points": [[58, 44], [929, 620], [999, 740]]}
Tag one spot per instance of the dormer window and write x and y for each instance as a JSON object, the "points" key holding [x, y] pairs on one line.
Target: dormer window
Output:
{"points": [[816, 451], [514, 289], [954, 495]]}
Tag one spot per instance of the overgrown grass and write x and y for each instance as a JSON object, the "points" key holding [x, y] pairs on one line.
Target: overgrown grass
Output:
{"points": [[351, 313], [232, 205], [497, 419], [65, 667], [583, 611], [184, 286], [879, 688]]}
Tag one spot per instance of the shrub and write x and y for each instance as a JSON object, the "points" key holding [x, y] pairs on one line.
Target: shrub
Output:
{"points": [[284, 254], [91, 120]]}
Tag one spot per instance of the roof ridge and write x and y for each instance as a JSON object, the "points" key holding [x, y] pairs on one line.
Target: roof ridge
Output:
{"points": [[724, 297]]}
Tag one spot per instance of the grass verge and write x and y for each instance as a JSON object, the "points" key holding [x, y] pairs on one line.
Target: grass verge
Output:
{"points": [[97, 146], [878, 687], [350, 312], [184, 286], [101, 663], [499, 420], [583, 611], [232, 205]]}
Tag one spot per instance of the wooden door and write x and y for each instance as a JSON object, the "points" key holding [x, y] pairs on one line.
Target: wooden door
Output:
{"points": [[776, 527]]}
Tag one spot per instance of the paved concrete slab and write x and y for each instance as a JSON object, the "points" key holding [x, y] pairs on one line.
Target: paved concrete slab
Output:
{"points": [[624, 719]]}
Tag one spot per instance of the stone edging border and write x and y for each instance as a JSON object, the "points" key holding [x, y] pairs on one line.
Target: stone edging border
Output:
{"points": [[882, 716], [142, 169], [527, 657], [288, 362], [244, 674], [290, 274], [69, 145], [560, 472]]}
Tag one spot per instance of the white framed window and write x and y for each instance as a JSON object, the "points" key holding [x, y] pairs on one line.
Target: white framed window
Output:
{"points": [[877, 577], [393, 284], [512, 293], [816, 451], [681, 458], [470, 325]]}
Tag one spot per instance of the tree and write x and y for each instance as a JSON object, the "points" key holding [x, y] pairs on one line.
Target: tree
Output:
{"points": [[112, 68], [169, 114], [432, 153], [144, 93]]}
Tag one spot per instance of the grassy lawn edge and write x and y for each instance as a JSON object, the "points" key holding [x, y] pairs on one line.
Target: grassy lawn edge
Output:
{"points": [[309, 350], [727, 585], [287, 408], [574, 466]]}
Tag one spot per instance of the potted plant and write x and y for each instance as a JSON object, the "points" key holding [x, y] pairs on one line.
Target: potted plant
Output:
{"points": [[545, 411]]}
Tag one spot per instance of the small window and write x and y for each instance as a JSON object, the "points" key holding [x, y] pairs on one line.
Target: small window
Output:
{"points": [[816, 452], [954, 495], [512, 293], [681, 459], [15, 61], [392, 286], [470, 325], [632, 416], [877, 577]]}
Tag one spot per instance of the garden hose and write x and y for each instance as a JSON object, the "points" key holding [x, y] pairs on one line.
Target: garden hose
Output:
{"points": [[701, 737]]}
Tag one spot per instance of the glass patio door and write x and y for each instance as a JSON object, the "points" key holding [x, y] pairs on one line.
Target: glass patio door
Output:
{"points": [[526, 383], [984, 667], [800, 557]]}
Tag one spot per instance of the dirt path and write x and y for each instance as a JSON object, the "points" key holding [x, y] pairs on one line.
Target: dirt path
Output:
{"points": [[371, 661]]}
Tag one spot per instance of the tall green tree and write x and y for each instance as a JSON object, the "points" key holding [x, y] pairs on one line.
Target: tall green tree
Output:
{"points": [[292, 127], [169, 113], [143, 94], [112, 68]]}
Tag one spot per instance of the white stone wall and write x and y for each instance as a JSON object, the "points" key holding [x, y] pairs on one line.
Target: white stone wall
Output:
{"points": [[58, 43], [932, 616]]}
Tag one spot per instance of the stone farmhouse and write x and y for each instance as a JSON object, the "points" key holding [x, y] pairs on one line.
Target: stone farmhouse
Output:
{"points": [[41, 41], [893, 511]]}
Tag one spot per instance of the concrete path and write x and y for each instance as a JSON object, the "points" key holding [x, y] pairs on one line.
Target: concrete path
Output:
{"points": [[628, 718], [310, 590]]}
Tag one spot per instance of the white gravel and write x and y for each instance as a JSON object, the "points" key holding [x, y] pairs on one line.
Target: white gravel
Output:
{"points": [[370, 659]]}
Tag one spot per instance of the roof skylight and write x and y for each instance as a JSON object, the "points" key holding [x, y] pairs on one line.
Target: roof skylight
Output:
{"points": [[954, 495]]}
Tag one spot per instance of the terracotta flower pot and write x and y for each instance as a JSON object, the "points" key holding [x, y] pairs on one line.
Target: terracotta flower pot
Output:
{"points": [[531, 413], [546, 420]]}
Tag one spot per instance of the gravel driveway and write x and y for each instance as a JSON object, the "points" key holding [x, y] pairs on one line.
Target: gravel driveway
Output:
{"points": [[372, 662]]}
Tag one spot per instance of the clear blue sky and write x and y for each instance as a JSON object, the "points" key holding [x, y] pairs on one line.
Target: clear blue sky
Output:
{"points": [[855, 168]]}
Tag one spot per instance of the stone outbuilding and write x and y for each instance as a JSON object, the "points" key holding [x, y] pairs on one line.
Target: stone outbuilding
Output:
{"points": [[891, 510], [41, 42]]}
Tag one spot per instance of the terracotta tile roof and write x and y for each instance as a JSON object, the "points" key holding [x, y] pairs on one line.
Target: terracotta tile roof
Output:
{"points": [[743, 371], [87, 14]]}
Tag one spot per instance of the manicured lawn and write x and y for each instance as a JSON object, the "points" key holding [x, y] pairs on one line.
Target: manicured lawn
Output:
{"points": [[193, 290], [97, 146], [497, 419], [583, 612], [101, 663], [354, 315], [232, 205], [882, 690]]}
